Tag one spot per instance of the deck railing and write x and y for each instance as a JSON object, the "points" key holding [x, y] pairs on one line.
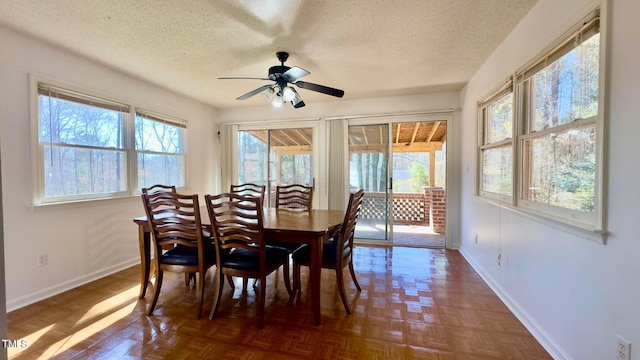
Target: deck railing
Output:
{"points": [[427, 208]]}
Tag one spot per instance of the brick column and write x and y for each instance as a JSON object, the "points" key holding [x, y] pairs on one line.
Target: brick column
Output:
{"points": [[437, 208], [427, 205]]}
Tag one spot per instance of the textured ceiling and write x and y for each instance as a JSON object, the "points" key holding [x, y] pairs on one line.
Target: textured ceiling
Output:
{"points": [[368, 48]]}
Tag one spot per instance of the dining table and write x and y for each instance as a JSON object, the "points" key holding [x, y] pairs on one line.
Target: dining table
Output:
{"points": [[310, 227]]}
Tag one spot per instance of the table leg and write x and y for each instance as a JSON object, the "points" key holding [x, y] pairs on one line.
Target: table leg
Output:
{"points": [[316, 269], [144, 239]]}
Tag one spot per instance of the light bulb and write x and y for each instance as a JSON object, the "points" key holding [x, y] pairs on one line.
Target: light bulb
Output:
{"points": [[277, 101], [288, 94]]}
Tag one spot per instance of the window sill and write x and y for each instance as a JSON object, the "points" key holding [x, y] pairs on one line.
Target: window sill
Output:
{"points": [[82, 202], [588, 232]]}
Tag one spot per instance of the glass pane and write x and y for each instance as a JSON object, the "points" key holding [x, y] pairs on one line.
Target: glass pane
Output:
{"points": [[368, 153], [500, 119], [497, 170], [252, 157], [275, 157], [76, 171], [562, 169], [567, 89], [72, 123], [160, 169], [410, 171], [291, 158], [158, 136]]}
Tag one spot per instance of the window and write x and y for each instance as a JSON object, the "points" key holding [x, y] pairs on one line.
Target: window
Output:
{"points": [[83, 150], [496, 150], [561, 116], [555, 103], [161, 151]]}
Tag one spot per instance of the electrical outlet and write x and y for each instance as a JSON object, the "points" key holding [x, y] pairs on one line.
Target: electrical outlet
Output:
{"points": [[476, 239], [499, 259], [623, 349], [43, 260]]}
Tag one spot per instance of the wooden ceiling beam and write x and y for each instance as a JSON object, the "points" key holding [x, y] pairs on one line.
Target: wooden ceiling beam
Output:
{"points": [[433, 131], [415, 132], [303, 136], [291, 138]]}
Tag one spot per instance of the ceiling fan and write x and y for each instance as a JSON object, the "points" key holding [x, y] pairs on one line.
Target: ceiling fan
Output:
{"points": [[281, 91]]}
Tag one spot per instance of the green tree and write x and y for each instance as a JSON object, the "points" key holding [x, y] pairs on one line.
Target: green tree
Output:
{"points": [[419, 177]]}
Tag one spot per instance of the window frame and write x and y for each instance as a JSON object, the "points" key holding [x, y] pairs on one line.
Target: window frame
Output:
{"points": [[484, 121], [84, 96], [590, 225], [150, 115]]}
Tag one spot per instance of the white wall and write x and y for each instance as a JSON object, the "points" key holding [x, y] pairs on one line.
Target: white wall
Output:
{"points": [[575, 295], [87, 240]]}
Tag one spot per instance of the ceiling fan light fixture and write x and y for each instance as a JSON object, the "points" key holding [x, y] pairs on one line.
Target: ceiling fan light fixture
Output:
{"points": [[269, 94], [277, 101], [288, 93]]}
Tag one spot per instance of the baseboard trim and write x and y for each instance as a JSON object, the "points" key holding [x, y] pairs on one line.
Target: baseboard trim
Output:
{"points": [[543, 338], [29, 299]]}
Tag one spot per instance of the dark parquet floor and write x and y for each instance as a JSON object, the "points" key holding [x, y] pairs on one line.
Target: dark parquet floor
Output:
{"points": [[415, 304]]}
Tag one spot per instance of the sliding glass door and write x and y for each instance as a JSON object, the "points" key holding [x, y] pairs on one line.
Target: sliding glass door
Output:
{"points": [[274, 157], [401, 165]]}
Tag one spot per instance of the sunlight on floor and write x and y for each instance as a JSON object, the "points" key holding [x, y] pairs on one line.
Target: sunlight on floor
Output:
{"points": [[412, 229], [98, 318], [91, 329], [31, 339], [111, 303]]}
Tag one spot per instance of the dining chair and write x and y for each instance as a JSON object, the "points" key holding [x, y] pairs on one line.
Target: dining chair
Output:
{"points": [[246, 189], [172, 189], [336, 254], [237, 223], [294, 196], [174, 220]]}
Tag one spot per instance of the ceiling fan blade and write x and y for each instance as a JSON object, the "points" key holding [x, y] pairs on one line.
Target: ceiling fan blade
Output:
{"points": [[254, 92], [299, 104], [320, 88], [294, 74], [241, 78]]}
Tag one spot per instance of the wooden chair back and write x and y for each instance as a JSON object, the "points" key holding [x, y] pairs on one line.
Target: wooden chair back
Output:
{"points": [[294, 196], [237, 221], [344, 247], [159, 188], [249, 189], [174, 219]]}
